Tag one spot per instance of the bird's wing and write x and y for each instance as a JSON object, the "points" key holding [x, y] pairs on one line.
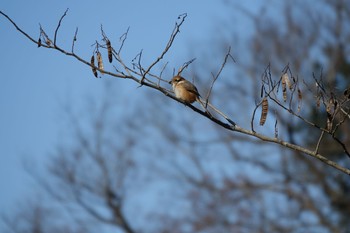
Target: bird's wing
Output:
{"points": [[191, 88]]}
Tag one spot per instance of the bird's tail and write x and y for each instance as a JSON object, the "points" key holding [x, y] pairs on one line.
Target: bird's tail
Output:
{"points": [[205, 105]]}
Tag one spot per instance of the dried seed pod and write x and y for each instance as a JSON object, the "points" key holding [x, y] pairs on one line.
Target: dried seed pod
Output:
{"points": [[93, 66], [276, 129], [109, 48], [284, 88], [264, 110], [330, 106], [39, 42], [300, 98], [285, 76], [329, 121], [100, 62], [318, 101], [329, 110]]}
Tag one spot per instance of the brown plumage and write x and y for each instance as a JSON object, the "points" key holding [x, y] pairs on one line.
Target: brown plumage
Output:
{"points": [[184, 90]]}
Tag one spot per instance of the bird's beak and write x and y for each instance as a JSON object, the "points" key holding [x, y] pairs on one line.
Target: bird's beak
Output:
{"points": [[170, 81]]}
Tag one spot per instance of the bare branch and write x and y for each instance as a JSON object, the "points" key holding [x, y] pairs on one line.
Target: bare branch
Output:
{"points": [[319, 142], [173, 35], [269, 87], [228, 54], [123, 39], [58, 26], [19, 29], [74, 39], [184, 66]]}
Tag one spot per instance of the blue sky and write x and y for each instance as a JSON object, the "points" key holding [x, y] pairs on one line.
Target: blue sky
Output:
{"points": [[36, 82]]}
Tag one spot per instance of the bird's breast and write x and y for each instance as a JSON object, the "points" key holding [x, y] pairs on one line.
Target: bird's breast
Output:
{"points": [[184, 95]]}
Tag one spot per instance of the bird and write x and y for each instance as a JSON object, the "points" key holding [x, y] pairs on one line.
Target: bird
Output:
{"points": [[186, 91]]}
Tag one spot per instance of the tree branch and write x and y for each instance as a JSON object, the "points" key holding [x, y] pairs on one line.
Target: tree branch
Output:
{"points": [[141, 78]]}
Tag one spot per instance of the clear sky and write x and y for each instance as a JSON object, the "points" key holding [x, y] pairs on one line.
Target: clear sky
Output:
{"points": [[36, 82]]}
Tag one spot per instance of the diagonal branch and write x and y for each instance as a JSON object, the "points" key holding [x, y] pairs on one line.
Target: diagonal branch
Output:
{"points": [[140, 78]]}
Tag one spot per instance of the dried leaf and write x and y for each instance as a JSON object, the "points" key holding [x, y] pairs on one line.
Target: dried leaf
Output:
{"points": [[93, 66], [109, 48], [100, 62], [265, 108]]}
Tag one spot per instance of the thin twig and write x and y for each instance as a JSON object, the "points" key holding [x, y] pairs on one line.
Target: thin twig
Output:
{"points": [[74, 39], [123, 39], [185, 65], [19, 29], [228, 54], [319, 142], [231, 126], [173, 35], [58, 26]]}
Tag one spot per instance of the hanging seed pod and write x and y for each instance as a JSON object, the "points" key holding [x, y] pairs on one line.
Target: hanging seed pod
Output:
{"points": [[284, 88], [318, 102], [300, 98], [265, 108], [276, 129], [285, 76], [109, 48], [93, 66], [329, 110], [329, 122], [100, 62], [39, 42]]}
